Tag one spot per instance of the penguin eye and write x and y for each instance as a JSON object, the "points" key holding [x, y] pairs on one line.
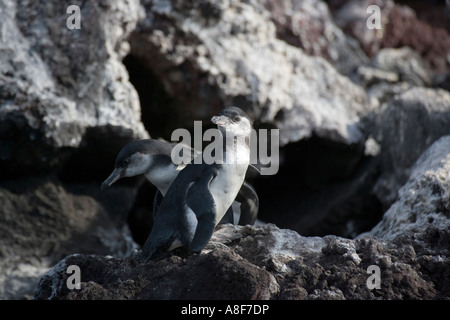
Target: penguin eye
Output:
{"points": [[237, 118], [125, 162]]}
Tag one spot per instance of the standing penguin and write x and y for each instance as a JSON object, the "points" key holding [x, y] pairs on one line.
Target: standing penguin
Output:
{"points": [[202, 193], [152, 158]]}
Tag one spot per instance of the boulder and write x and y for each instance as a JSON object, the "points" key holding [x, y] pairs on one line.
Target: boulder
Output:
{"points": [[191, 278], [66, 109], [309, 25], [421, 213], [422, 207], [405, 127], [400, 27], [209, 54], [261, 262], [42, 221], [56, 83]]}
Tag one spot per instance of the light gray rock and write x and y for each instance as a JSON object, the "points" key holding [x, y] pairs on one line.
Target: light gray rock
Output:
{"points": [[369, 75], [215, 57], [395, 65], [405, 62], [424, 200], [55, 82], [405, 127], [384, 91], [308, 24]]}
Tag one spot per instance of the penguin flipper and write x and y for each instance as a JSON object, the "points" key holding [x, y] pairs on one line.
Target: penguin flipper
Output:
{"points": [[201, 202], [173, 220], [249, 200]]}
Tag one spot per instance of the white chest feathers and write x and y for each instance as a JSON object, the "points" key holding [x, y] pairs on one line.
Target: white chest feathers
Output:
{"points": [[225, 187], [162, 177]]}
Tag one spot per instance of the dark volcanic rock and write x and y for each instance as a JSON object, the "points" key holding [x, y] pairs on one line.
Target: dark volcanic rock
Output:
{"points": [[42, 221], [220, 274], [405, 29], [261, 262]]}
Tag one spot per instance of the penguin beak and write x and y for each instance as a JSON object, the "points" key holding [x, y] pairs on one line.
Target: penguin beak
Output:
{"points": [[113, 177], [220, 120]]}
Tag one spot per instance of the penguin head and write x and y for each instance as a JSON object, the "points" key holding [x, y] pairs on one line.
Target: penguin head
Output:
{"points": [[135, 158], [233, 120]]}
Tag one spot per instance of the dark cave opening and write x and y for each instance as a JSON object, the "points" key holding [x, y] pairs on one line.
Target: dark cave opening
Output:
{"points": [[159, 111], [322, 188]]}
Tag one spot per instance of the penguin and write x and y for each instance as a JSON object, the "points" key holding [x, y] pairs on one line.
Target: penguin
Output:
{"points": [[202, 193], [153, 159]]}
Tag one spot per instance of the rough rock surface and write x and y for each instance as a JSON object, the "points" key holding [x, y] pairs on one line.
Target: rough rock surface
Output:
{"points": [[309, 25], [67, 106], [217, 53], [264, 262], [400, 27], [395, 65], [56, 83], [42, 221], [423, 202], [405, 127]]}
